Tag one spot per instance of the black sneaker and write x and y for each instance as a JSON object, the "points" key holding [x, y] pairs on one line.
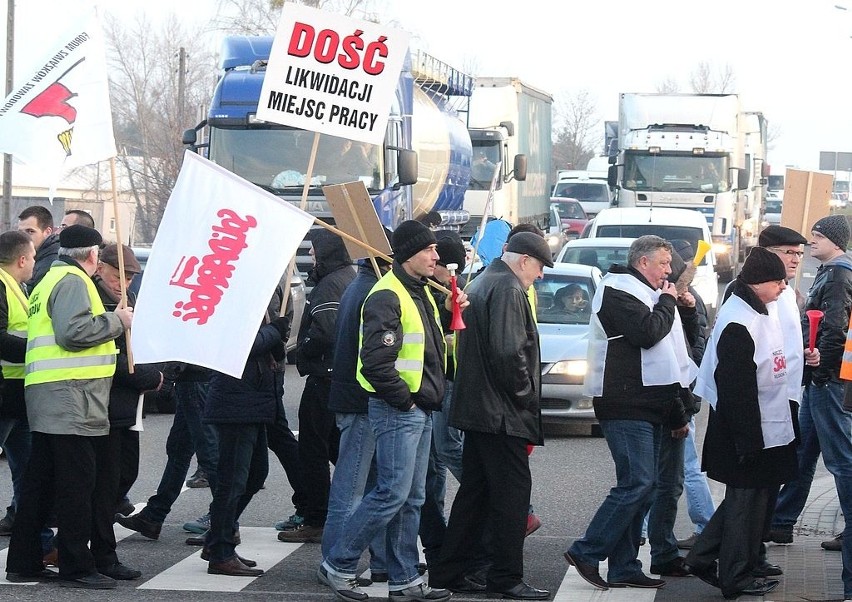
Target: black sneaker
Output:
{"points": [[90, 581], [781, 535], [119, 572]]}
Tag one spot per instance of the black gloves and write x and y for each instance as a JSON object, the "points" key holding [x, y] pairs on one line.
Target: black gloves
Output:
{"points": [[283, 326]]}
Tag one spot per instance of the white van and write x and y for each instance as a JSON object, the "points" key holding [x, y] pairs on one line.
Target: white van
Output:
{"points": [[668, 223], [593, 193]]}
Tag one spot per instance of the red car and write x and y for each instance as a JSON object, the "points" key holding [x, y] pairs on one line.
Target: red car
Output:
{"points": [[574, 219]]}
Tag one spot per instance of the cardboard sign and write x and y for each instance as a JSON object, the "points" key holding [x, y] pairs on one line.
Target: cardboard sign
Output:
{"points": [[806, 199], [332, 74], [355, 214]]}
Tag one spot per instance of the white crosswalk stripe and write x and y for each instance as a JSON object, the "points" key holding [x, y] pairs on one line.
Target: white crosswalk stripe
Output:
{"points": [[258, 543], [575, 589]]}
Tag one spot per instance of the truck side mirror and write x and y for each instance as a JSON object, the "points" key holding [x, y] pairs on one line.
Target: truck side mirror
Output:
{"points": [[407, 167], [189, 138], [742, 179], [612, 176], [509, 126], [520, 168]]}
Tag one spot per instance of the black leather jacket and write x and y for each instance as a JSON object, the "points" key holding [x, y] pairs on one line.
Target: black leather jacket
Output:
{"points": [[498, 378]]}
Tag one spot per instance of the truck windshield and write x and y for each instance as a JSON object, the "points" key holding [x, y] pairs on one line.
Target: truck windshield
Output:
{"points": [[486, 155], [277, 159], [675, 173]]}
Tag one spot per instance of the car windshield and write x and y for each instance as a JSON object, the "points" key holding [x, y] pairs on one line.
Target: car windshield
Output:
{"points": [[562, 299], [670, 233], [599, 257], [570, 210], [773, 206], [582, 191]]}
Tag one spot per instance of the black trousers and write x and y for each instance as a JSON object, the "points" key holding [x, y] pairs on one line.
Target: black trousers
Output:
{"points": [[65, 472], [283, 443], [319, 441], [733, 536], [494, 495], [124, 452]]}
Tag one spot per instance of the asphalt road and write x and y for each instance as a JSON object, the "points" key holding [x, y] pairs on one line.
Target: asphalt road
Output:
{"points": [[571, 475]]}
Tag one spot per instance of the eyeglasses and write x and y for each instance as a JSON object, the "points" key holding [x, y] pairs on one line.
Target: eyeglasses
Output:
{"points": [[789, 252]]}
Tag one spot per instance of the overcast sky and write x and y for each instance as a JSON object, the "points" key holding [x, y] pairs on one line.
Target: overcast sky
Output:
{"points": [[792, 60]]}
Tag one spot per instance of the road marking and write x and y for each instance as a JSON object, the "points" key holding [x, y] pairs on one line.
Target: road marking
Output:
{"points": [[258, 543], [3, 553], [575, 589]]}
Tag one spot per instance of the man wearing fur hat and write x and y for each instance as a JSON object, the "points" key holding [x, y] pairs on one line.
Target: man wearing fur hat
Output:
{"points": [[401, 363], [825, 427], [750, 442], [70, 362]]}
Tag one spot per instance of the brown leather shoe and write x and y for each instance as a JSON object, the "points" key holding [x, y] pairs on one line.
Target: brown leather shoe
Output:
{"points": [[51, 558], [589, 572], [233, 568], [205, 555]]}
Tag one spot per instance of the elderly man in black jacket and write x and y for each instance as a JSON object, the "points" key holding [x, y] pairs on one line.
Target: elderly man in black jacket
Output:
{"points": [[496, 402], [318, 434], [122, 465]]}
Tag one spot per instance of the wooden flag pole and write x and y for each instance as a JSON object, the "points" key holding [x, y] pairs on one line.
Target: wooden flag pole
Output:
{"points": [[122, 282]]}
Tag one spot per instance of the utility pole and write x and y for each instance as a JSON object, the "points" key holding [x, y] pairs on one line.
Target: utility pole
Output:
{"points": [[5, 215], [181, 86]]}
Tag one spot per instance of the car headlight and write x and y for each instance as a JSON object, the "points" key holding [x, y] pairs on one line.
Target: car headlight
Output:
{"points": [[570, 368], [721, 248]]}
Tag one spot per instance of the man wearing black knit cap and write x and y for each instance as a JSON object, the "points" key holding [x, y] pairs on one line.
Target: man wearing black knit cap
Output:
{"points": [[750, 442], [401, 363], [825, 427], [497, 403]]}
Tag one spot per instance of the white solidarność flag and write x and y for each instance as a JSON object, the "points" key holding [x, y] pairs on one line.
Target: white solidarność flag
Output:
{"points": [[220, 251], [58, 117]]}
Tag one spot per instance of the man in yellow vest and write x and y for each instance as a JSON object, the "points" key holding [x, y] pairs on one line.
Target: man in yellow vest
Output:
{"points": [[401, 363], [70, 361], [17, 259]]}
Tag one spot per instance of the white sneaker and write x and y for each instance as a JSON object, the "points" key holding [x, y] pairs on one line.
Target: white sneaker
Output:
{"points": [[343, 587], [419, 593]]}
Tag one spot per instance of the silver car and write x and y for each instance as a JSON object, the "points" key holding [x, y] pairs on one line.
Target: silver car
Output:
{"points": [[563, 311]]}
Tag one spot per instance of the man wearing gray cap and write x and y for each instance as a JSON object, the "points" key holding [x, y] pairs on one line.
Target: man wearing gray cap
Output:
{"points": [[70, 362], [638, 362], [497, 403]]}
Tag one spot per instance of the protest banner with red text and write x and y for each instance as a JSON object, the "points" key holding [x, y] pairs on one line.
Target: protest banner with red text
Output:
{"points": [[332, 74], [219, 253]]}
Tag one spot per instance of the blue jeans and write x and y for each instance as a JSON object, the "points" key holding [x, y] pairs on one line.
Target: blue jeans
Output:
{"points": [[403, 439], [16, 441], [825, 427], [661, 517], [448, 439], [352, 477], [699, 502], [187, 436], [617, 525]]}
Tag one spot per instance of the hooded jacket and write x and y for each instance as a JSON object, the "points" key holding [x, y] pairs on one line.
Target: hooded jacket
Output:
{"points": [[317, 333]]}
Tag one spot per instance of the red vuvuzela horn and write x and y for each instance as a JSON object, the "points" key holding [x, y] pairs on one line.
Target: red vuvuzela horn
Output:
{"points": [[457, 322], [814, 317]]}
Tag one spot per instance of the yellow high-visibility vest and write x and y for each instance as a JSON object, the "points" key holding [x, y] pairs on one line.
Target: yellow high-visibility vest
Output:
{"points": [[16, 321], [48, 362], [409, 362]]}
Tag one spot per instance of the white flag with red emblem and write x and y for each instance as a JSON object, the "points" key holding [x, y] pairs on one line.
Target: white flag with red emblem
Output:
{"points": [[220, 251], [58, 115]]}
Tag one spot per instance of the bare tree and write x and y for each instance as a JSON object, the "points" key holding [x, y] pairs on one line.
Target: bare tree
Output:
{"points": [[146, 88], [260, 17], [703, 81], [668, 86], [578, 132]]}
